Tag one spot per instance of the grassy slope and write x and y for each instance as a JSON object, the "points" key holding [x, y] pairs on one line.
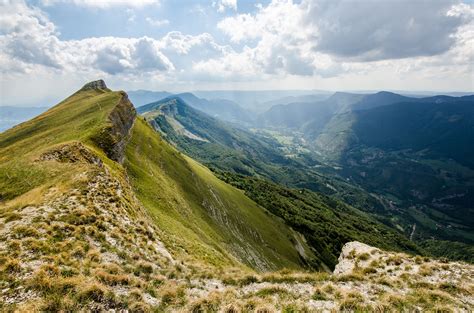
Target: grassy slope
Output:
{"points": [[202, 216], [77, 118], [206, 218]]}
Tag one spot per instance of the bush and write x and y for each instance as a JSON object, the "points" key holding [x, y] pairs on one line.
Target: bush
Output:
{"points": [[92, 292], [364, 256], [12, 266]]}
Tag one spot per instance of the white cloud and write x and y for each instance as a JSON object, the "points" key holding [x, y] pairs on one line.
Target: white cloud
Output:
{"points": [[222, 5], [329, 38], [157, 22], [29, 40], [281, 43], [103, 4], [377, 30]]}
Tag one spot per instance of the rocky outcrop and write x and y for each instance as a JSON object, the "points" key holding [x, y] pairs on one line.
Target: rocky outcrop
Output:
{"points": [[71, 153], [114, 137], [96, 85]]}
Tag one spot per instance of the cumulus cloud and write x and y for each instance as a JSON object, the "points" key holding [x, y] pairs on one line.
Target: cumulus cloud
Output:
{"points": [[327, 37], [103, 4], [377, 30], [29, 40], [280, 46], [283, 40], [222, 5]]}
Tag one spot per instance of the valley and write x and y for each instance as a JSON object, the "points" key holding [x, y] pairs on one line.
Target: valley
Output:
{"points": [[336, 146]]}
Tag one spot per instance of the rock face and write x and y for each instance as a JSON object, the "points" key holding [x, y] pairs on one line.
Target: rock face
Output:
{"points": [[113, 138], [95, 85]]}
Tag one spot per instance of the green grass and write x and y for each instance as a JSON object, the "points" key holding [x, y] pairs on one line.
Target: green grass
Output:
{"points": [[200, 214], [78, 118]]}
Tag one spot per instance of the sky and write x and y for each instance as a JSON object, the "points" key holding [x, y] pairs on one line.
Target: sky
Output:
{"points": [[49, 48]]}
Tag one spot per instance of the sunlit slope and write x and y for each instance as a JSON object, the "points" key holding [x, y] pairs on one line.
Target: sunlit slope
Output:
{"points": [[202, 217], [81, 117]]}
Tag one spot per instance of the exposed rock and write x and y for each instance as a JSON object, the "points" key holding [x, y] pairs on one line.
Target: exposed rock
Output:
{"points": [[96, 85], [71, 153], [114, 137], [346, 258]]}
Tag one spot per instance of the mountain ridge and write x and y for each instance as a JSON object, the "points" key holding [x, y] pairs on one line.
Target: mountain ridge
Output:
{"points": [[98, 213]]}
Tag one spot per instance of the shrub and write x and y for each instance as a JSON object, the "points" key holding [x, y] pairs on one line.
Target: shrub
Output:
{"points": [[144, 267], [369, 270], [112, 279], [139, 307], [12, 266], [46, 278], [318, 295], [205, 305], [23, 231], [363, 256], [92, 292], [171, 294], [270, 291], [12, 216], [394, 260]]}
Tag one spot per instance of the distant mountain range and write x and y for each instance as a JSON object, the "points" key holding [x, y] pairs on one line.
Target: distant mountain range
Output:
{"points": [[12, 115], [412, 156], [223, 109]]}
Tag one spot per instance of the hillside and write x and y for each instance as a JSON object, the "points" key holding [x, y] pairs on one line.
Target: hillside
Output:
{"points": [[417, 156], [411, 156], [93, 199], [99, 213], [236, 154], [225, 147]]}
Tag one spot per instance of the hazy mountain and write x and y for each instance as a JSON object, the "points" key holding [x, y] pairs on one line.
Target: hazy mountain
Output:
{"points": [[142, 97], [417, 155], [12, 115], [316, 114], [232, 151], [219, 108], [296, 99], [257, 101]]}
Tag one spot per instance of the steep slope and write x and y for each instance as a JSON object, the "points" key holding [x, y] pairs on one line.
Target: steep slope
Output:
{"points": [[205, 137], [228, 150], [201, 214], [226, 147], [98, 213], [325, 223], [416, 157], [81, 230]]}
